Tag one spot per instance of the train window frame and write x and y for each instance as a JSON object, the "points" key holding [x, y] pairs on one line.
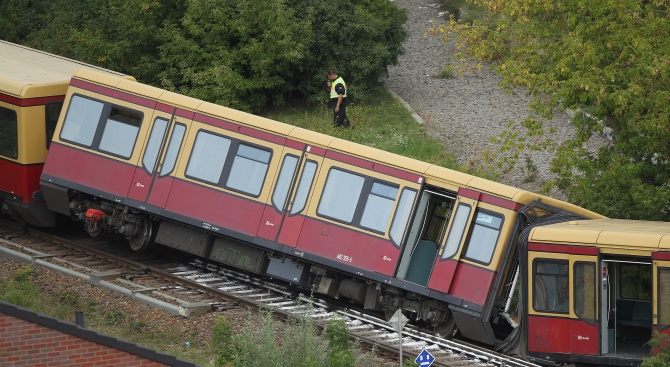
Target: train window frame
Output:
{"points": [[473, 226], [230, 169], [663, 299], [49, 122], [154, 143], [285, 178], [302, 192], [195, 158], [123, 123], [561, 262], [451, 247], [372, 199], [67, 130], [170, 158], [396, 233], [352, 208], [99, 129], [12, 148], [576, 288]]}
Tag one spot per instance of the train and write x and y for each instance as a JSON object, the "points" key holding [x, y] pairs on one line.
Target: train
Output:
{"points": [[520, 272]]}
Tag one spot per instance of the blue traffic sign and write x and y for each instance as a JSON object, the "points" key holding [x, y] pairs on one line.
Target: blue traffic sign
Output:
{"points": [[424, 359]]}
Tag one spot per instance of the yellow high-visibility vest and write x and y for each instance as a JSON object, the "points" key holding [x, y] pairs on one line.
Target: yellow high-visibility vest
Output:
{"points": [[335, 82]]}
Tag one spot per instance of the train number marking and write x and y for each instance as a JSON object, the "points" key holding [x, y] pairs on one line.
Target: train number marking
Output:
{"points": [[210, 227], [138, 184], [268, 223], [579, 337], [386, 258], [345, 258]]}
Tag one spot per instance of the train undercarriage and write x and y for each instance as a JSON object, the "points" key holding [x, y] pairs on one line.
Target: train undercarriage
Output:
{"points": [[143, 231]]}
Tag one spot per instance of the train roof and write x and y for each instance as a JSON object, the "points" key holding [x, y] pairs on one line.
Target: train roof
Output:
{"points": [[613, 233], [431, 172], [30, 73]]}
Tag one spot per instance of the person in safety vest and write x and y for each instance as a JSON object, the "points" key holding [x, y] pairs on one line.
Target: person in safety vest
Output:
{"points": [[338, 98]]}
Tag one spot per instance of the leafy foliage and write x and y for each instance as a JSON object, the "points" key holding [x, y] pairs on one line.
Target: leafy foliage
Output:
{"points": [[660, 347], [608, 58], [243, 54]]}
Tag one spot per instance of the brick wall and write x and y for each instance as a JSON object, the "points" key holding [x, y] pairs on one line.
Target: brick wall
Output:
{"points": [[31, 339], [23, 343]]}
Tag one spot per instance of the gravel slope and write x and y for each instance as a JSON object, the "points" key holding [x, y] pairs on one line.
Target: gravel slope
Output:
{"points": [[466, 111]]}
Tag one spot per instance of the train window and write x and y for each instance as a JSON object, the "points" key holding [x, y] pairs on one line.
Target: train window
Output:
{"points": [[247, 173], [120, 132], [379, 206], [456, 231], [52, 111], [173, 149], [551, 291], [284, 181], [483, 238], [154, 144], [663, 298], [208, 157], [635, 281], [340, 195], [585, 291], [81, 121], [402, 214], [9, 133], [303, 187]]}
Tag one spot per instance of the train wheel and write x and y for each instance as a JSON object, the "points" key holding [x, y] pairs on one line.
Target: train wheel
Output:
{"points": [[141, 241], [447, 328]]}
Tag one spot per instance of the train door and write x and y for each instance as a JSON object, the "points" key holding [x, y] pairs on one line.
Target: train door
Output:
{"points": [[562, 303], [283, 220], [446, 265], [626, 290], [426, 235], [152, 181], [661, 274]]}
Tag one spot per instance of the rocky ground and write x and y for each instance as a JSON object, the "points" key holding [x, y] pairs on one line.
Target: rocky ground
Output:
{"points": [[464, 112]]}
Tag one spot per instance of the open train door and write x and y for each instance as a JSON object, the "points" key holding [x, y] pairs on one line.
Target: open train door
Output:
{"points": [[661, 304]]}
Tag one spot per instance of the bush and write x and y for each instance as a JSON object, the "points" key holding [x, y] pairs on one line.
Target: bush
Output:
{"points": [[660, 349]]}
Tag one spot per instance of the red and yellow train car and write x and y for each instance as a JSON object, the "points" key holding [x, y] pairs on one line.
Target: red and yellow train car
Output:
{"points": [[596, 290], [342, 219], [32, 88]]}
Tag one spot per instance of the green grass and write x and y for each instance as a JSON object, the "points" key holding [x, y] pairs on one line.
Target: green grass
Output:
{"points": [[381, 122]]}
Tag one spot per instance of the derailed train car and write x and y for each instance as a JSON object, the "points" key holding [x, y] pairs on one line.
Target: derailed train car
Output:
{"points": [[380, 230]]}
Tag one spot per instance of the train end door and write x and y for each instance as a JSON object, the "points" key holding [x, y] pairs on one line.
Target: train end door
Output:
{"points": [[661, 290]]}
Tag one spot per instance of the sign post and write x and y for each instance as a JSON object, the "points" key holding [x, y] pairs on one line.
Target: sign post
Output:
{"points": [[398, 321]]}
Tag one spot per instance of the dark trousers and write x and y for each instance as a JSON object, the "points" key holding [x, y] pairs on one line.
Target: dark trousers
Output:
{"points": [[340, 118]]}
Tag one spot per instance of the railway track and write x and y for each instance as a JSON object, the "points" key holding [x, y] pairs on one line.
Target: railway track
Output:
{"points": [[190, 287]]}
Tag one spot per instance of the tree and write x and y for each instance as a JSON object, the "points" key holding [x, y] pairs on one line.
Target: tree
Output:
{"points": [[608, 59], [238, 54]]}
